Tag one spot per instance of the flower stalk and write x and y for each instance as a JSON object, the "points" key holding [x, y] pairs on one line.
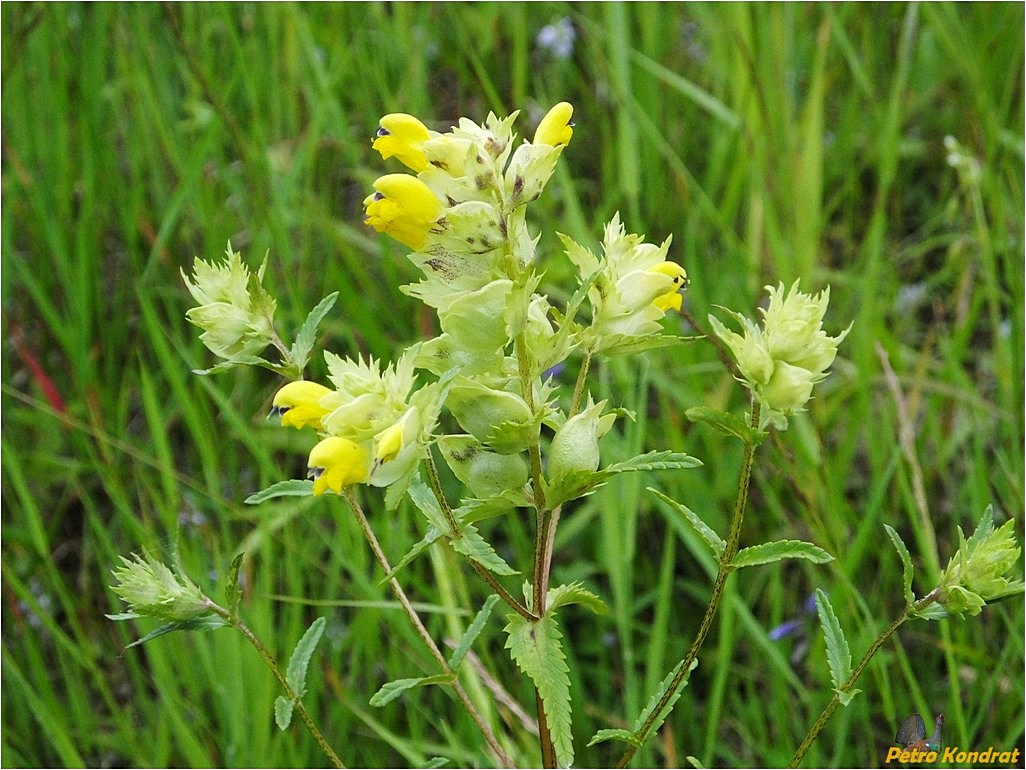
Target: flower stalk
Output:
{"points": [[422, 632], [725, 569]]}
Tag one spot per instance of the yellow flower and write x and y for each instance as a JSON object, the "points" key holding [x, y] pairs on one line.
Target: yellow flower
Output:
{"points": [[679, 276], [335, 463], [402, 136], [298, 404], [404, 207], [555, 128]]}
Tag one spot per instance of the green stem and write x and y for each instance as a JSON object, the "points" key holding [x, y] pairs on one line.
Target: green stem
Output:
{"points": [[307, 720], [422, 632], [831, 707], [544, 536], [725, 569], [582, 376], [436, 487]]}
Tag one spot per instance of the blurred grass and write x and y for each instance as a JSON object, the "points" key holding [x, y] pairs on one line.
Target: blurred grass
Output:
{"points": [[773, 141]]}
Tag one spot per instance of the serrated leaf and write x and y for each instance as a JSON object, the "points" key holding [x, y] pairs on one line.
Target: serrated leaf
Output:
{"points": [[658, 694], [629, 345], [231, 363], [778, 550], [283, 711], [288, 488], [728, 424], [473, 546], [844, 698], [656, 460], [838, 654], [232, 591], [472, 632], [422, 496], [422, 545], [582, 483], [931, 612], [703, 530], [906, 563], [300, 660], [307, 334], [537, 651], [206, 623], [614, 734], [392, 690], [575, 593]]}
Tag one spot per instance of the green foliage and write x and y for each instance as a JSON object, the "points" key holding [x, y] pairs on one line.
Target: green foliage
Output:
{"points": [[537, 650], [778, 550], [631, 736], [906, 563], [838, 654]]}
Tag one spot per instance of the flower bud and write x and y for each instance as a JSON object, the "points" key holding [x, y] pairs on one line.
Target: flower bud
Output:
{"points": [[575, 447], [781, 361], [235, 312], [298, 404], [151, 589], [981, 571]]}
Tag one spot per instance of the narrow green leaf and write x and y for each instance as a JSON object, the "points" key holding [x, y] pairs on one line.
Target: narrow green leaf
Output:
{"points": [[288, 488], [307, 334], [767, 553], [232, 591], [583, 483], [657, 460], [392, 690], [422, 496], [906, 563], [838, 654], [300, 660], [472, 632], [575, 593], [436, 762], [614, 734], [206, 623], [728, 424], [475, 547], [537, 651], [658, 694], [704, 531], [283, 712], [422, 545]]}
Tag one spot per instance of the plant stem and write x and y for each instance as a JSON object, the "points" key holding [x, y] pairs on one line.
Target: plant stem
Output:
{"points": [[831, 707], [724, 571], [488, 577], [418, 626], [544, 537], [304, 715]]}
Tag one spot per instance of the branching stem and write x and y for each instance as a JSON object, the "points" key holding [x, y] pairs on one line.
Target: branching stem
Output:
{"points": [[831, 707]]}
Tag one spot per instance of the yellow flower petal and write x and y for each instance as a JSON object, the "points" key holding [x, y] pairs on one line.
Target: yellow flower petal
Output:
{"points": [[298, 404], [679, 276], [335, 463], [555, 128], [402, 136]]}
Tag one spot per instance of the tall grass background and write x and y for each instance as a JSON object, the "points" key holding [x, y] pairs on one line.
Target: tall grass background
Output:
{"points": [[773, 141]]}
